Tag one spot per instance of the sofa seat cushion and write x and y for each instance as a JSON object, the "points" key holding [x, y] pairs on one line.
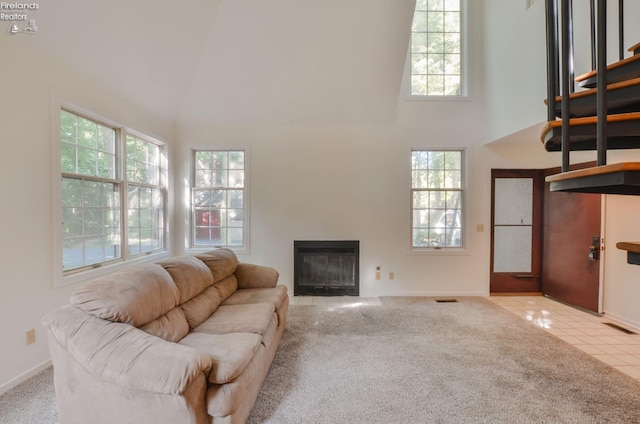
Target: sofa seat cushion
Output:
{"points": [[230, 353], [224, 399], [253, 318], [275, 296], [267, 337]]}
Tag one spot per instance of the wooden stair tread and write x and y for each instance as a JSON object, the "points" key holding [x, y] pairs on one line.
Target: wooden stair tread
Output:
{"points": [[622, 97], [623, 132], [617, 178], [590, 120], [615, 65], [634, 48], [595, 170], [630, 246], [594, 91]]}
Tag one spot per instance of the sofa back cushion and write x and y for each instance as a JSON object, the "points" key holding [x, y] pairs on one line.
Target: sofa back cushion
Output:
{"points": [[222, 263], [256, 276], [226, 287], [171, 326], [201, 307], [191, 275], [135, 295]]}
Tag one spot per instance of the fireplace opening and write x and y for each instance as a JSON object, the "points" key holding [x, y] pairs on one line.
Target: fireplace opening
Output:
{"points": [[326, 268]]}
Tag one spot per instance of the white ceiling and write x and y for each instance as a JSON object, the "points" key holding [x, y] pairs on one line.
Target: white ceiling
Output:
{"points": [[199, 62], [145, 50]]}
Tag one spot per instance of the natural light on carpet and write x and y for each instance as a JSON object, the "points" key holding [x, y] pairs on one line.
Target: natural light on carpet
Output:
{"points": [[346, 305]]}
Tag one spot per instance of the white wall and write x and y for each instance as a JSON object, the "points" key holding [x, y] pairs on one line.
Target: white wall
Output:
{"points": [[286, 62], [350, 177], [621, 280], [514, 59], [348, 183], [26, 289], [621, 293]]}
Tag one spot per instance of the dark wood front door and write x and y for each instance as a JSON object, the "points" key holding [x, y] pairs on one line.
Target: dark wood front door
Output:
{"points": [[516, 229], [571, 221]]}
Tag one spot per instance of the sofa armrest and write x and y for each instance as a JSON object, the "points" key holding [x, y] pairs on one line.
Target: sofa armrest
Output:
{"points": [[251, 276], [125, 355]]}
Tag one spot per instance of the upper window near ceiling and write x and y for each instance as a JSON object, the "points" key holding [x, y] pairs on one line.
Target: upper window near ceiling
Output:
{"points": [[436, 48]]}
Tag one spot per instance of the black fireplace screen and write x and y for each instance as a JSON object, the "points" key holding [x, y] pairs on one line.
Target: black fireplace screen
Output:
{"points": [[326, 268]]}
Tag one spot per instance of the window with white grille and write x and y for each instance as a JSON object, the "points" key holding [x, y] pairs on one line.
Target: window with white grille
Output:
{"points": [[218, 204], [112, 193], [437, 198], [437, 48]]}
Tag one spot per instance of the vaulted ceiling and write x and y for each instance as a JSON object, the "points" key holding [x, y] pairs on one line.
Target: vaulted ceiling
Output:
{"points": [[238, 61]]}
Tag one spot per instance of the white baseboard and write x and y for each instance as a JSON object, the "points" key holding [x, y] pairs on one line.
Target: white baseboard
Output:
{"points": [[24, 377], [631, 323], [420, 293], [432, 294]]}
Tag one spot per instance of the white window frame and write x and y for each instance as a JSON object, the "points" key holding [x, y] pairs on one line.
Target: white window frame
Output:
{"points": [[161, 185], [442, 250], [86, 273], [190, 246], [464, 64]]}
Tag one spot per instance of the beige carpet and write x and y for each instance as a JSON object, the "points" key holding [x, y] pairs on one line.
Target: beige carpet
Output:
{"points": [[32, 402], [413, 360]]}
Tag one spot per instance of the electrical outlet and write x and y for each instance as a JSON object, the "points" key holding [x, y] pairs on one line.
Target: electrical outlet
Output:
{"points": [[31, 336], [391, 276]]}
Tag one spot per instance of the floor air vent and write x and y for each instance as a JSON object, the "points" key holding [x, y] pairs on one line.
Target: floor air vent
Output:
{"points": [[617, 327], [446, 300]]}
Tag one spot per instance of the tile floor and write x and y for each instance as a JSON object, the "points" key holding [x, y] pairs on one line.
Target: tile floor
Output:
{"points": [[583, 330], [587, 332]]}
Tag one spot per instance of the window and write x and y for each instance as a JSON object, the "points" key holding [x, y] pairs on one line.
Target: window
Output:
{"points": [[436, 48], [97, 199], [145, 196], [218, 203], [437, 198]]}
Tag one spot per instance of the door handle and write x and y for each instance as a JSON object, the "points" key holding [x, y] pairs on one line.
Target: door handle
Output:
{"points": [[594, 248]]}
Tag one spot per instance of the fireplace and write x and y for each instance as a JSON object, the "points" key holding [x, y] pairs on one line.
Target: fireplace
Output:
{"points": [[326, 268]]}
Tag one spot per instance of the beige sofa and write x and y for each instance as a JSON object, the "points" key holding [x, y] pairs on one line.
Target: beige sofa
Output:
{"points": [[184, 340]]}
